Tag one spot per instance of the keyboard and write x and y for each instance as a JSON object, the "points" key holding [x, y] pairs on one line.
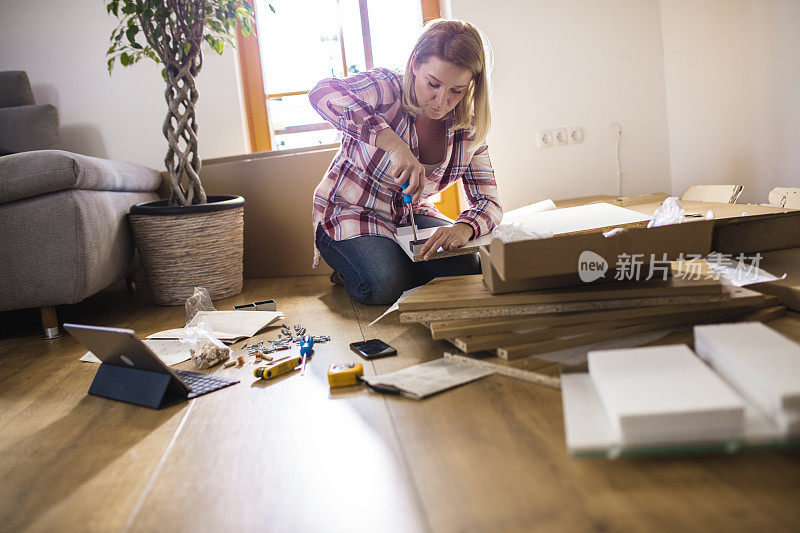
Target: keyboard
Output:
{"points": [[202, 383]]}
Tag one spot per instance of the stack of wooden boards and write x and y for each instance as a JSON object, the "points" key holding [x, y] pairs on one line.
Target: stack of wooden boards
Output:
{"points": [[665, 397], [461, 310]]}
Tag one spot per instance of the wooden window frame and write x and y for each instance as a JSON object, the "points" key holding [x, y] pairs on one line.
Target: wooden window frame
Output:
{"points": [[255, 97]]}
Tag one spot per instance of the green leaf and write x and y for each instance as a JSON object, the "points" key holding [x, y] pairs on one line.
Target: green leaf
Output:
{"points": [[187, 47], [164, 74], [131, 34], [129, 9], [110, 65], [125, 59], [218, 46]]}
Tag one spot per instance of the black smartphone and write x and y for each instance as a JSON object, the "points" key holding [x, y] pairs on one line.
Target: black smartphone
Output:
{"points": [[372, 348]]}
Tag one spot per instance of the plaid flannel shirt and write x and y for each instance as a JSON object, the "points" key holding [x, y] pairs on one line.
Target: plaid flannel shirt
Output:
{"points": [[358, 196]]}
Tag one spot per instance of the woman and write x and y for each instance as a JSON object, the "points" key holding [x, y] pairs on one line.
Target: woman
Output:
{"points": [[428, 128]]}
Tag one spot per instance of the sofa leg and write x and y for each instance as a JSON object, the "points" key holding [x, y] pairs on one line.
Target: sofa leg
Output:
{"points": [[50, 322]]}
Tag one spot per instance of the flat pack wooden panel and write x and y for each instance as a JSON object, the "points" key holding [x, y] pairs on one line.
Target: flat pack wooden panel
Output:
{"points": [[470, 291], [581, 218], [429, 315], [475, 343], [741, 298], [662, 394], [759, 362], [534, 348]]}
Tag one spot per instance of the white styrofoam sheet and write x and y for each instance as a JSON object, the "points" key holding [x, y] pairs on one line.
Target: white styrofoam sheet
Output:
{"points": [[589, 431], [665, 393]]}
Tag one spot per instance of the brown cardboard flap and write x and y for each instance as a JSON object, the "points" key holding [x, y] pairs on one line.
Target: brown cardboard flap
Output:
{"points": [[559, 255], [744, 228]]}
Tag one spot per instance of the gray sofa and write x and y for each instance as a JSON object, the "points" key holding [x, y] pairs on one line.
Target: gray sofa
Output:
{"points": [[63, 229]]}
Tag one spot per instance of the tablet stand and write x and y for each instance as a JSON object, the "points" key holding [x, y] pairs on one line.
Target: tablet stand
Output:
{"points": [[130, 385]]}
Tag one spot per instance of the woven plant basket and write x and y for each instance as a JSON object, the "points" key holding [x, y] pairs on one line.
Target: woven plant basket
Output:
{"points": [[187, 247]]}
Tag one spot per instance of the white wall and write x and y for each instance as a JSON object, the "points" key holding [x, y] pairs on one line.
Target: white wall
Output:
{"points": [[577, 63], [733, 93], [62, 46], [720, 104]]}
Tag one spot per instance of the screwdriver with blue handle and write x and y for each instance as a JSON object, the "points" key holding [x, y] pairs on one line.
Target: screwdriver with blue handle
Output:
{"points": [[407, 199], [306, 347]]}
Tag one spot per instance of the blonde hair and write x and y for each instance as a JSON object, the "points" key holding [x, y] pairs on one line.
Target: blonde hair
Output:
{"points": [[462, 44]]}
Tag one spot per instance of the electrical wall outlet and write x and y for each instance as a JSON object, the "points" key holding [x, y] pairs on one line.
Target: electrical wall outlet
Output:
{"points": [[575, 135], [544, 138], [560, 136]]}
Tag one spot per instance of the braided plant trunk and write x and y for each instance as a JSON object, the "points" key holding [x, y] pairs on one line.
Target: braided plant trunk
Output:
{"points": [[176, 40], [180, 128]]}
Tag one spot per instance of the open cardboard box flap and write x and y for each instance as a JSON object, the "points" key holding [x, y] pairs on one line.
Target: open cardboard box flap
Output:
{"points": [[559, 256], [744, 228]]}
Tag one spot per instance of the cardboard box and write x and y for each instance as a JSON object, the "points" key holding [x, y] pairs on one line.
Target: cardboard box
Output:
{"points": [[496, 285], [743, 228], [562, 258]]}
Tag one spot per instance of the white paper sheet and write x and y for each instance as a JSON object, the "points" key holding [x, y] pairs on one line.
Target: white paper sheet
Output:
{"points": [[395, 306], [742, 276], [171, 352], [426, 379], [228, 326]]}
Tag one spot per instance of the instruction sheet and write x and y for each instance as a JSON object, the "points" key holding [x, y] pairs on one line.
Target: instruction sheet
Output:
{"points": [[426, 379], [227, 326], [171, 352]]}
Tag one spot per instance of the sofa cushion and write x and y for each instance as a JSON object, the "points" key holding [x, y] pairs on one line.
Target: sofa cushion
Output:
{"points": [[28, 127], [33, 173], [15, 89]]}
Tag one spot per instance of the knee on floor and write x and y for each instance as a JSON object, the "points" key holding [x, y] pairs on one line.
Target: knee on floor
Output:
{"points": [[378, 289]]}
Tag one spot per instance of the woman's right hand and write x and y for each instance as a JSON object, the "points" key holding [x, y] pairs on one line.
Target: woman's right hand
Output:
{"points": [[404, 166]]}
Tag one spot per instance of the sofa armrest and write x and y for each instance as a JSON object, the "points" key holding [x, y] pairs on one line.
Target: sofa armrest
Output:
{"points": [[30, 174]]}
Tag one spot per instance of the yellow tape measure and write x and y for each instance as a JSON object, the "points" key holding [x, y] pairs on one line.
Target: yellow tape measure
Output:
{"points": [[344, 374]]}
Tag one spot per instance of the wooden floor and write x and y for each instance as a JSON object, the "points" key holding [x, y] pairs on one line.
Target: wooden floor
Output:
{"points": [[289, 455]]}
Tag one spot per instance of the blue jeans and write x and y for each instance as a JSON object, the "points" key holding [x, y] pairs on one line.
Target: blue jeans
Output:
{"points": [[375, 270]]}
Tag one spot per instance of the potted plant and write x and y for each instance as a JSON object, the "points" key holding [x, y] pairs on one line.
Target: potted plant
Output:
{"points": [[189, 239]]}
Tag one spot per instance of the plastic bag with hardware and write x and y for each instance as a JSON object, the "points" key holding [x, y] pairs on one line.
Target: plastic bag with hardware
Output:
{"points": [[199, 301], [205, 349]]}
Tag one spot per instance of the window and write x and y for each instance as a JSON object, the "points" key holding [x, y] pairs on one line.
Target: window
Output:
{"points": [[302, 42]]}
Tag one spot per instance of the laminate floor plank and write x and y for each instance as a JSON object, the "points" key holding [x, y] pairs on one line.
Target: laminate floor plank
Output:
{"points": [[69, 461], [291, 455], [288, 454], [490, 455]]}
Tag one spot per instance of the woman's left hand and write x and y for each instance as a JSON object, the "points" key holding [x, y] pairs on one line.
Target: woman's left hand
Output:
{"points": [[447, 238]]}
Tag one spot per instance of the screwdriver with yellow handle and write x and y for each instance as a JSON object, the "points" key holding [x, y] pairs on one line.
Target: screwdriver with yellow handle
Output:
{"points": [[273, 371]]}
